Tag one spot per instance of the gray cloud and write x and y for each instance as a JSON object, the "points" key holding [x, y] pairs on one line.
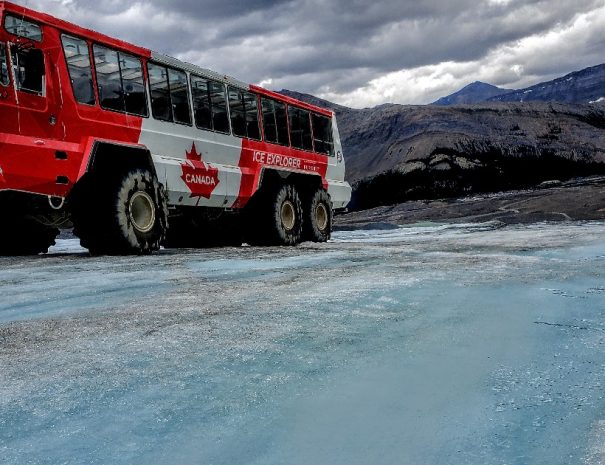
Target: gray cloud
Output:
{"points": [[337, 47]]}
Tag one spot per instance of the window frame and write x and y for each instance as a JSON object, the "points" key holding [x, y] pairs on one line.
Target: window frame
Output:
{"points": [[208, 81], [312, 149], [189, 94], [93, 71], [274, 113], [330, 133], [23, 20], [188, 99], [96, 80], [16, 73], [241, 99], [4, 50]]}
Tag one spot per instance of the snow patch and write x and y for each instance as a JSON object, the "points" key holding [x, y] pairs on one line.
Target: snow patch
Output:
{"points": [[599, 100]]}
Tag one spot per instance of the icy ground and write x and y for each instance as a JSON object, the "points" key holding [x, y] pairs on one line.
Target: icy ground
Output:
{"points": [[466, 344]]}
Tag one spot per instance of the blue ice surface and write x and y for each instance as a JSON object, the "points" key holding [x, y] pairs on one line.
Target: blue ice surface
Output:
{"points": [[430, 345]]}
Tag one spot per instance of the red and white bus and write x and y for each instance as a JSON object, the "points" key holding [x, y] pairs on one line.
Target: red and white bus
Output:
{"points": [[135, 150]]}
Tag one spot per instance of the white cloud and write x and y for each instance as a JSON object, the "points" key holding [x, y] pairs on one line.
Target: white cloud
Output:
{"points": [[360, 53], [511, 65]]}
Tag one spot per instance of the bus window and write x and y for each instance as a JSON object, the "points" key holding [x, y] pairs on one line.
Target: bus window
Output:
{"points": [[108, 78], [281, 118], [135, 97], [201, 103], [4, 79], [78, 65], [251, 107], [322, 134], [275, 121], [236, 107], [28, 65], [120, 81], [160, 92], [220, 118], [179, 96], [23, 28], [269, 125], [209, 104], [244, 113], [300, 128]]}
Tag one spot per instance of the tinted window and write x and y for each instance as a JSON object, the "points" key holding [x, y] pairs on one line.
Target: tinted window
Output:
{"points": [[300, 128], [135, 97], [4, 79], [108, 78], [236, 106], [179, 95], [120, 81], [22, 28], [209, 104], [281, 118], [28, 65], [201, 103], [78, 65], [160, 92], [322, 134], [275, 121], [251, 108], [244, 113], [269, 124], [218, 97]]}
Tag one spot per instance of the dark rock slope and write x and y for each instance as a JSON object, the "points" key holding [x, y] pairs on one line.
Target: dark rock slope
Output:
{"points": [[396, 153]]}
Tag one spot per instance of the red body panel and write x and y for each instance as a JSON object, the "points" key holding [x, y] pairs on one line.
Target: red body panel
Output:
{"points": [[34, 128]]}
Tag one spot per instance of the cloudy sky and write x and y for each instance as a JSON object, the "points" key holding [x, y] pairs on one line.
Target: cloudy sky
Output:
{"points": [[359, 52]]}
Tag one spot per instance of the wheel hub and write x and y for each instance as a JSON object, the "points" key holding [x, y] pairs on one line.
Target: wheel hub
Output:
{"points": [[142, 211], [321, 217], [288, 215]]}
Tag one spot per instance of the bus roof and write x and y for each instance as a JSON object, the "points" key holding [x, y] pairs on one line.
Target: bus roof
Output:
{"points": [[74, 29]]}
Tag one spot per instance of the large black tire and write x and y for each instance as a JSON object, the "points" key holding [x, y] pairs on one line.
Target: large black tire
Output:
{"points": [[121, 215], [317, 216], [24, 236], [274, 217]]}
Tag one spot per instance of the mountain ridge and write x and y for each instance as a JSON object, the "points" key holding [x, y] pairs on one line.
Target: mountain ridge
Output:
{"points": [[473, 93], [583, 86]]}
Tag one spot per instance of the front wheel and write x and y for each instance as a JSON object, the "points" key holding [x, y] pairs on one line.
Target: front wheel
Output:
{"points": [[127, 215]]}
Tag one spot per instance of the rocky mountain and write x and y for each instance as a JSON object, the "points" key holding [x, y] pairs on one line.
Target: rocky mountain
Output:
{"points": [[396, 153], [473, 93], [585, 86]]}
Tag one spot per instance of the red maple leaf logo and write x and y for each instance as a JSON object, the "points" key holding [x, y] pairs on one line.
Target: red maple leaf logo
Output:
{"points": [[200, 177]]}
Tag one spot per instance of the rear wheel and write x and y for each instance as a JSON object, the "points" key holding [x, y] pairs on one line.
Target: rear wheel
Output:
{"points": [[24, 236], [317, 217], [123, 215], [274, 217]]}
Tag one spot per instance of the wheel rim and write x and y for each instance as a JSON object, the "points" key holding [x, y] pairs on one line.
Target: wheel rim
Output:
{"points": [[288, 215], [321, 217], [142, 211]]}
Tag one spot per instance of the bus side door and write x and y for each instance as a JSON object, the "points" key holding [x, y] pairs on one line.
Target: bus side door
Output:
{"points": [[37, 88]]}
